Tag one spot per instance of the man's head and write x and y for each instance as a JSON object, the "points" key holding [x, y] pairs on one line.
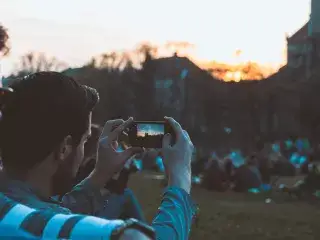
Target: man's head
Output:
{"points": [[46, 122], [4, 37]]}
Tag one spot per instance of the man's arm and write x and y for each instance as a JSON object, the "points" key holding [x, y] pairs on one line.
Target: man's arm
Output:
{"points": [[87, 197], [133, 234], [175, 215], [176, 211], [173, 220], [84, 198]]}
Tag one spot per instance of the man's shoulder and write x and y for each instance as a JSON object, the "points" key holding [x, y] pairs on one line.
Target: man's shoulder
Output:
{"points": [[20, 193], [18, 220]]}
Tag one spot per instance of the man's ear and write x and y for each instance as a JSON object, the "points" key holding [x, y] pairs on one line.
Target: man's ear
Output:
{"points": [[65, 148]]}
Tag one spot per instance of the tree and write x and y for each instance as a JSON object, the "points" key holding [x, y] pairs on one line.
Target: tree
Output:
{"points": [[35, 62], [145, 50], [4, 37]]}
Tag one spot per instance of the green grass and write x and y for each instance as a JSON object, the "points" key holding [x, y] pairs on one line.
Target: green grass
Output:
{"points": [[239, 216]]}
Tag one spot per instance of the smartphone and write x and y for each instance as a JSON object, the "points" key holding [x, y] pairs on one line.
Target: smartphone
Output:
{"points": [[149, 134]]}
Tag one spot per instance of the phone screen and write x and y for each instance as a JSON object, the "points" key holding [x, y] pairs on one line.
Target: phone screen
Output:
{"points": [[147, 134]]}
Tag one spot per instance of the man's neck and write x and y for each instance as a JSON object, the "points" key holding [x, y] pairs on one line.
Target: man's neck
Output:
{"points": [[41, 184]]}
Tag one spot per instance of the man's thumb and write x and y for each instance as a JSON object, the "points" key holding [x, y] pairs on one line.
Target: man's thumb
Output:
{"points": [[166, 141]]}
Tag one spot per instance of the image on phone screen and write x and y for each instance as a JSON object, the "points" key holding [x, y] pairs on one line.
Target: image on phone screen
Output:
{"points": [[147, 134], [150, 130]]}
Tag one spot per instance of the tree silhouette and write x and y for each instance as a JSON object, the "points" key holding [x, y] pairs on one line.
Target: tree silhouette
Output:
{"points": [[4, 37], [35, 62], [145, 50]]}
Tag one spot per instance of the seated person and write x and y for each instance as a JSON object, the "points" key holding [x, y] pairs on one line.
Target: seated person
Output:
{"points": [[306, 166], [229, 169], [247, 176], [215, 178], [120, 202], [198, 166], [312, 180], [45, 124], [284, 167], [264, 165]]}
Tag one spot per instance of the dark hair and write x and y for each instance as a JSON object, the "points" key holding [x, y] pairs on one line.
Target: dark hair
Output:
{"points": [[43, 109], [4, 37]]}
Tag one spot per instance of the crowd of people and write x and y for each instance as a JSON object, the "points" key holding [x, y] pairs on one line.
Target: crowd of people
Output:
{"points": [[256, 172]]}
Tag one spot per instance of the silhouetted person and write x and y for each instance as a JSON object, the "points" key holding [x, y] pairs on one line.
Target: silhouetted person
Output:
{"points": [[198, 166], [247, 176], [265, 169], [215, 178], [229, 169], [312, 180], [283, 167]]}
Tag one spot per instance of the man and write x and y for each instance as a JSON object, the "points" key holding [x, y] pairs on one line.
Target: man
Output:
{"points": [[46, 122]]}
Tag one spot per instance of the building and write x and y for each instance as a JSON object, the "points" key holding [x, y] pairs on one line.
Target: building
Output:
{"points": [[303, 46], [298, 46], [179, 86]]}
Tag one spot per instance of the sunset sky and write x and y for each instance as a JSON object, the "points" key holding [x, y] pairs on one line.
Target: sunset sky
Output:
{"points": [[75, 30], [151, 129]]}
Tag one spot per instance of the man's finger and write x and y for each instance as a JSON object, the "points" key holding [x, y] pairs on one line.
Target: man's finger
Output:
{"points": [[187, 135], [115, 122], [116, 132], [176, 127], [111, 125], [115, 145]]}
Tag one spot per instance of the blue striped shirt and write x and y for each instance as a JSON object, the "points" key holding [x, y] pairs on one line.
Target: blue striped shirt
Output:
{"points": [[173, 220], [46, 224]]}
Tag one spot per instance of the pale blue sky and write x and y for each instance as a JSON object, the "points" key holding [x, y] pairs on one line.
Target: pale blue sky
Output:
{"points": [[74, 30]]}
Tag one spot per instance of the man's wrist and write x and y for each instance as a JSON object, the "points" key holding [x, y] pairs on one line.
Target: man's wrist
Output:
{"points": [[183, 182], [98, 178]]}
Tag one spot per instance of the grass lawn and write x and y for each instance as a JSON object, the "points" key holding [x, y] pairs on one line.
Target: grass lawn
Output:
{"points": [[239, 216]]}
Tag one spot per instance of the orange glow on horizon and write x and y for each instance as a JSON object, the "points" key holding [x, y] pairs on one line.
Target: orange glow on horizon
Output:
{"points": [[150, 133], [237, 71]]}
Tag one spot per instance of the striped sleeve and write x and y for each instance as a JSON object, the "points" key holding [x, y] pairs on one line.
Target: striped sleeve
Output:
{"points": [[175, 215], [45, 224]]}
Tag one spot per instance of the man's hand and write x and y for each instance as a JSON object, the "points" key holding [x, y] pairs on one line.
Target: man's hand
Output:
{"points": [[109, 160], [177, 158]]}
